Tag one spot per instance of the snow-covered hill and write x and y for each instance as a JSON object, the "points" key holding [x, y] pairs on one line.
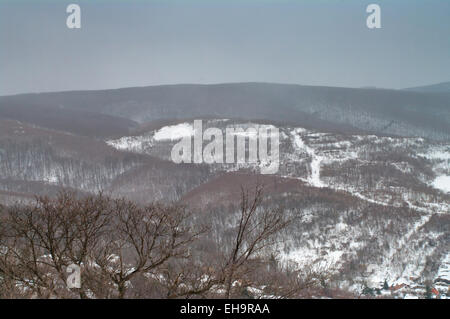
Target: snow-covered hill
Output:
{"points": [[397, 199], [370, 208]]}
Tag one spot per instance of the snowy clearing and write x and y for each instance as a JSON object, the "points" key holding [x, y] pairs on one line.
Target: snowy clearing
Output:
{"points": [[442, 183], [174, 132]]}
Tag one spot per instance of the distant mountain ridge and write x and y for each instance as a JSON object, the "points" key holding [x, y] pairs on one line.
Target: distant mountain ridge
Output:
{"points": [[347, 110], [443, 87]]}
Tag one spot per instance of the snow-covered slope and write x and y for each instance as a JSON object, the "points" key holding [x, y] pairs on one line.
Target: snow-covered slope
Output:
{"points": [[404, 177]]}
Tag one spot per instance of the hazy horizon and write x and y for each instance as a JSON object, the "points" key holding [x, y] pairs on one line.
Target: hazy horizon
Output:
{"points": [[221, 83], [136, 44]]}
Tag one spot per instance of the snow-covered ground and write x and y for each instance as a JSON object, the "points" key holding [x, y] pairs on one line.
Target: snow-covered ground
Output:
{"points": [[443, 183], [443, 274], [314, 177], [132, 143], [174, 132], [440, 156], [399, 250], [316, 151], [142, 143]]}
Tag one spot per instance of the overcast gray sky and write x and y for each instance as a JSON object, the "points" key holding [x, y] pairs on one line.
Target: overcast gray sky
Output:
{"points": [[138, 43]]}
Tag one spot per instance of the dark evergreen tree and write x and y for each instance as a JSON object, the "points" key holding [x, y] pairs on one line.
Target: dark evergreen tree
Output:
{"points": [[368, 291], [428, 294]]}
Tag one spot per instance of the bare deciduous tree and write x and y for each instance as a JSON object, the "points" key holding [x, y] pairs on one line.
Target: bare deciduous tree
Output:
{"points": [[255, 230], [126, 250], [111, 240]]}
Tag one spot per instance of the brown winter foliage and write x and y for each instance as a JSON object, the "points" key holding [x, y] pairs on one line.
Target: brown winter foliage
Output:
{"points": [[126, 250]]}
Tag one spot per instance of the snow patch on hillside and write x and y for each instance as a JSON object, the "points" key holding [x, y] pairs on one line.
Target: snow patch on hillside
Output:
{"points": [[130, 143], [438, 153], [387, 269], [316, 160], [174, 132], [443, 183], [444, 269], [142, 143], [440, 156]]}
